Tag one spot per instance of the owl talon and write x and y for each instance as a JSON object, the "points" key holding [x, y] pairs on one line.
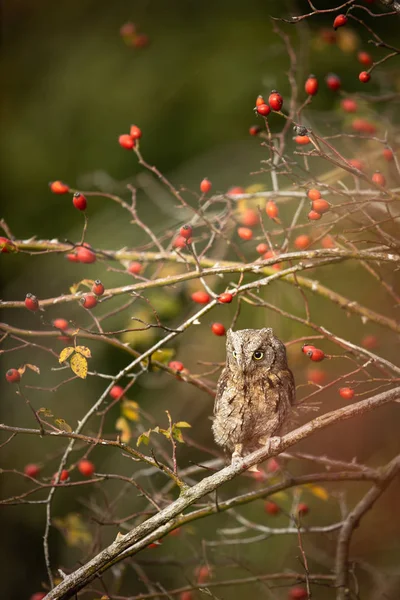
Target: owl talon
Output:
{"points": [[273, 444]]}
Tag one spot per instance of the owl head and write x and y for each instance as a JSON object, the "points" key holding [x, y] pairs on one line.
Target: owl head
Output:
{"points": [[250, 349]]}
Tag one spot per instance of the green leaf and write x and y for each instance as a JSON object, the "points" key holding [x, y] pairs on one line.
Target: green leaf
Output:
{"points": [[144, 437]]}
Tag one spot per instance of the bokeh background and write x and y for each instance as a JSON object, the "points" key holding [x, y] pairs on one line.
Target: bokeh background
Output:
{"points": [[70, 87]]}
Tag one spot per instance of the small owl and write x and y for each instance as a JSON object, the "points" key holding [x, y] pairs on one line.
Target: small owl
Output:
{"points": [[255, 391]]}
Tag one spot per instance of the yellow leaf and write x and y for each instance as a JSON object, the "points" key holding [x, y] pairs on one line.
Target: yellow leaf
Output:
{"points": [[122, 426], [46, 412], [74, 529], [130, 410], [144, 437], [84, 351], [85, 282], [63, 425], [65, 354], [22, 369], [182, 424], [318, 491], [255, 188], [79, 365], [163, 355], [278, 497]]}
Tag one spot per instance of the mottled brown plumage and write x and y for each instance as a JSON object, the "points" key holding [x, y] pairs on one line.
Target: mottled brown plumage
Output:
{"points": [[255, 391]]}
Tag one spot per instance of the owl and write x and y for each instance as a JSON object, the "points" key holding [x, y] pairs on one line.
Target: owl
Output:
{"points": [[255, 391]]}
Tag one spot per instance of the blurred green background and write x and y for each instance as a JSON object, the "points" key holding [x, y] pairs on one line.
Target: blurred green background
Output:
{"points": [[71, 86]]}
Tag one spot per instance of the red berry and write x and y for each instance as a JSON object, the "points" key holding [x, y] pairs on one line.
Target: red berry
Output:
{"points": [[328, 242], [263, 110], [250, 218], [333, 82], [205, 185], [271, 508], [365, 58], [271, 209], [302, 242], [86, 467], [201, 297], [346, 393], [203, 574], [218, 329], [85, 255], [31, 470], [175, 532], [275, 100], [378, 178], [135, 132], [254, 130], [302, 509], [72, 257], [349, 105], [313, 215], [58, 187], [88, 301], [260, 100], [298, 593], [180, 242], [316, 355], [302, 140], [64, 475], [245, 233], [328, 36], [31, 302], [186, 595], [98, 288], [262, 248], [311, 85], [316, 376], [339, 21], [363, 126], [237, 189], [79, 201], [176, 365], [225, 298], [356, 164], [13, 376], [6, 245], [320, 206], [186, 231], [307, 348], [38, 596], [135, 267], [387, 155], [60, 324], [313, 194], [125, 141], [127, 30], [364, 77], [272, 465], [116, 392], [141, 41], [370, 342]]}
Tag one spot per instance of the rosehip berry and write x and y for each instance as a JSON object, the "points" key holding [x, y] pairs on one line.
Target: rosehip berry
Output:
{"points": [[86, 467], [245, 233], [316, 355], [237, 189], [314, 194], [356, 164], [179, 242], [218, 329], [186, 595], [378, 178], [186, 231], [320, 206], [298, 593], [271, 209], [116, 392], [98, 288], [302, 242], [135, 132], [225, 298], [72, 257], [5, 245], [272, 465], [125, 141], [263, 110], [340, 21], [205, 185], [85, 255], [302, 509], [13, 376], [328, 36], [64, 475], [141, 41], [365, 58], [370, 342], [364, 77], [262, 248], [260, 100], [349, 105], [271, 508], [307, 348], [58, 187], [38, 596], [203, 574], [313, 215], [79, 201], [60, 324], [201, 297], [316, 376], [254, 130], [176, 365], [250, 218], [387, 155], [328, 242], [346, 393], [363, 126], [311, 85], [88, 301], [302, 140], [31, 302], [275, 100], [135, 267], [333, 82], [31, 470]]}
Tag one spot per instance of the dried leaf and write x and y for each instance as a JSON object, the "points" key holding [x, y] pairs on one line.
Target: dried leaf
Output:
{"points": [[165, 432], [182, 424], [130, 410], [63, 425], [65, 354], [177, 435], [79, 365], [318, 491], [45, 412], [85, 282], [122, 426], [84, 351]]}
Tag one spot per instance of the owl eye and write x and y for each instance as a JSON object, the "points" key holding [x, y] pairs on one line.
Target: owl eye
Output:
{"points": [[257, 355], [234, 354]]}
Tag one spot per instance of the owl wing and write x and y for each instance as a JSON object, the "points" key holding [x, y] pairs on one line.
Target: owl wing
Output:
{"points": [[221, 387]]}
